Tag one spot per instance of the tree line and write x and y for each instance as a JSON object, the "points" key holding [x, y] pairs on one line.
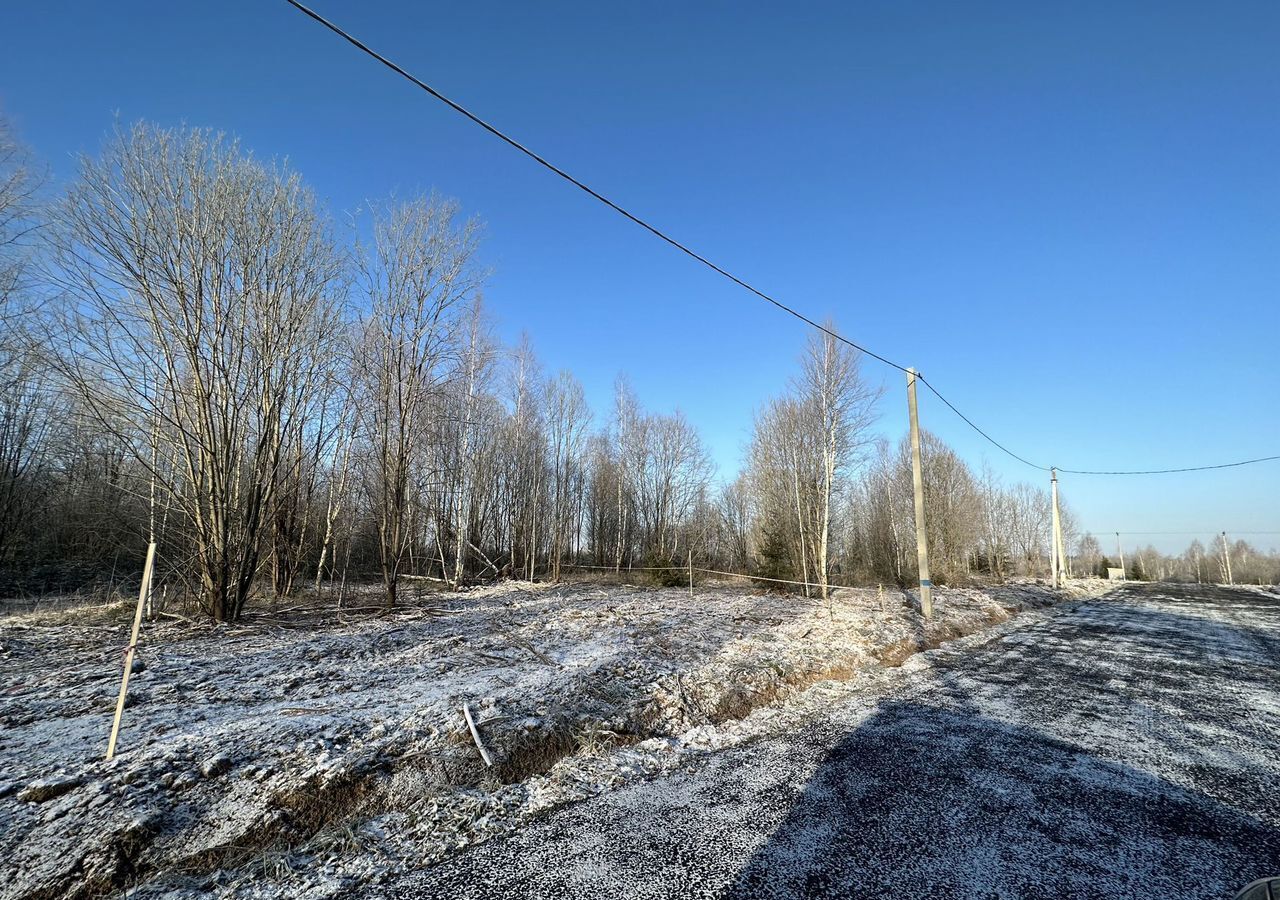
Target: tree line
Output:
{"points": [[1217, 563], [194, 353]]}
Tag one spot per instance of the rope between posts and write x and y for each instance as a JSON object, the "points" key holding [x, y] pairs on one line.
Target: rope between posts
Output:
{"points": [[812, 584], [628, 569]]}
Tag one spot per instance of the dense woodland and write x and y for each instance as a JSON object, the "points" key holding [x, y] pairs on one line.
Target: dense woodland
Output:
{"points": [[193, 352]]}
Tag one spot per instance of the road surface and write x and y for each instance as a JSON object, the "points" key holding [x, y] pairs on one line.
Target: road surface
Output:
{"points": [[1121, 748]]}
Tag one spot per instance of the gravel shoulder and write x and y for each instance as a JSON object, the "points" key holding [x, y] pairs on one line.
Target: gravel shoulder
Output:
{"points": [[1124, 748]]}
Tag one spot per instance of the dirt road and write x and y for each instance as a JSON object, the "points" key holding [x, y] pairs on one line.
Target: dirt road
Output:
{"points": [[1124, 748]]}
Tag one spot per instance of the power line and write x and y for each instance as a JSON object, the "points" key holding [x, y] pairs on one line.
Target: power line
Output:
{"points": [[1243, 462], [994, 442], [580, 185], [1213, 531], [459, 108], [971, 424]]}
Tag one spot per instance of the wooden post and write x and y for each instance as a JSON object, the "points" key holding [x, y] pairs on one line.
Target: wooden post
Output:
{"points": [[1124, 574], [1226, 555], [691, 573], [1057, 533], [144, 593], [917, 477]]}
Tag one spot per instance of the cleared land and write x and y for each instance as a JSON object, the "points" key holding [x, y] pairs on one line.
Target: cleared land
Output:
{"points": [[1118, 749], [306, 751]]}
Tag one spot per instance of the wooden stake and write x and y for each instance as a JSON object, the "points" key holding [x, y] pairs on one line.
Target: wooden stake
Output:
{"points": [[917, 478], [691, 574], [144, 594]]}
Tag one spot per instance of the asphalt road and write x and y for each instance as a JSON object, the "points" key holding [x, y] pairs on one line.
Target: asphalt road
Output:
{"points": [[1122, 748]]}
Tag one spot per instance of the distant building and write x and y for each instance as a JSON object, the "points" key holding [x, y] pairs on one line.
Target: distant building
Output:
{"points": [[1115, 574]]}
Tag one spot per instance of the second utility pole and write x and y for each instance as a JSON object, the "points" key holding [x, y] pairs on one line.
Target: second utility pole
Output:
{"points": [[1226, 557], [917, 477]]}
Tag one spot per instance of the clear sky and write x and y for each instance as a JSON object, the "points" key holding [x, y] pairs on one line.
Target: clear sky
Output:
{"points": [[1067, 216]]}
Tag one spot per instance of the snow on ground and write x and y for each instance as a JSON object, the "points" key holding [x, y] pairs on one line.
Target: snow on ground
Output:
{"points": [[304, 750], [1111, 749]]}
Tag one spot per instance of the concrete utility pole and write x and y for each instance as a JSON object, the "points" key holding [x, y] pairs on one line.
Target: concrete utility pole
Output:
{"points": [[917, 477], [1120, 547], [1226, 555], [1057, 533]]}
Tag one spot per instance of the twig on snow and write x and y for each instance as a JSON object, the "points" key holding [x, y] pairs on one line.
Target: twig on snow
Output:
{"points": [[475, 734]]}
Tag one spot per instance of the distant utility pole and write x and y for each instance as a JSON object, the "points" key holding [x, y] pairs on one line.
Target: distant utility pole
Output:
{"points": [[917, 477], [1124, 575], [1057, 533], [1226, 556]]}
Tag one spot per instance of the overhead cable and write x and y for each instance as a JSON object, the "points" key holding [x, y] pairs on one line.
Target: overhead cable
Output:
{"points": [[657, 232]]}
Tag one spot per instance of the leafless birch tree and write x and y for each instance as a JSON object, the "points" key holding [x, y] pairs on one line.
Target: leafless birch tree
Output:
{"points": [[804, 446]]}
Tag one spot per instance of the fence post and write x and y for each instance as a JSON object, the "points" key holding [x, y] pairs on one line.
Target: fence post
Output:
{"points": [[144, 594], [917, 477], [690, 573]]}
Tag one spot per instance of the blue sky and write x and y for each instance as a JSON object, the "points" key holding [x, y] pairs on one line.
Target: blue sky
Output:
{"points": [[1067, 216]]}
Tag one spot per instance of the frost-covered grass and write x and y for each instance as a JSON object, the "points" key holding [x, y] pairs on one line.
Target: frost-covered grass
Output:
{"points": [[1123, 748], [304, 749]]}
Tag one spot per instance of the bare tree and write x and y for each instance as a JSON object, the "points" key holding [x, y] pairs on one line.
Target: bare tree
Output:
{"points": [[21, 180], [26, 407], [953, 502], [882, 507], [26, 399], [317, 460], [1089, 552], [1195, 557], [627, 447], [669, 479], [804, 447], [567, 419], [524, 463], [997, 514], [1029, 525], [776, 456], [201, 300], [839, 408], [417, 272], [734, 507], [464, 424]]}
